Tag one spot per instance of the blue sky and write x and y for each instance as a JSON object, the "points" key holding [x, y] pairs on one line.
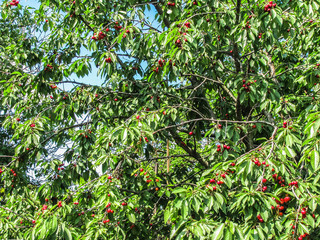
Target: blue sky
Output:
{"points": [[31, 3], [92, 78]]}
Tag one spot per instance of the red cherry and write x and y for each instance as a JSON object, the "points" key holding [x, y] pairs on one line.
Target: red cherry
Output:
{"points": [[287, 199], [187, 24], [190, 133]]}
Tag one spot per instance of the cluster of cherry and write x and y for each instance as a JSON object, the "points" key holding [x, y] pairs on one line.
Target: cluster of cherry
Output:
{"points": [[14, 3], [269, 6]]}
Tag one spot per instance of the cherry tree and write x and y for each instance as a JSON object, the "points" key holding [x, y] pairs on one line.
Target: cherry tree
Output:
{"points": [[205, 123]]}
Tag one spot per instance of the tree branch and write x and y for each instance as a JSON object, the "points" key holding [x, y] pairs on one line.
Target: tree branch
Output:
{"points": [[160, 12]]}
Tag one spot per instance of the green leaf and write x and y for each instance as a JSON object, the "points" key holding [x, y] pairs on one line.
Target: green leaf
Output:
{"points": [[303, 229], [279, 20], [222, 22], [313, 204], [261, 233], [177, 227], [264, 63], [167, 214], [124, 135], [184, 209], [132, 218], [53, 225], [251, 36], [315, 158], [43, 231], [179, 190], [196, 204], [290, 152], [67, 234], [228, 181], [218, 233]]}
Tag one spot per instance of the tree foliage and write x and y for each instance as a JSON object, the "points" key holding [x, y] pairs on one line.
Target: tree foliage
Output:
{"points": [[205, 125]]}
